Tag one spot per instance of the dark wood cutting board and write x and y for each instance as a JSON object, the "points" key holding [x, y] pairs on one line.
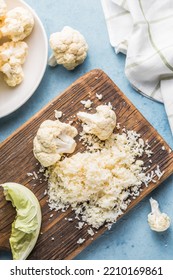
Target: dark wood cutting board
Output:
{"points": [[16, 160]]}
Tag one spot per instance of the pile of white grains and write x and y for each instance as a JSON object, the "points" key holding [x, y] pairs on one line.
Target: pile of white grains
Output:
{"points": [[99, 183]]}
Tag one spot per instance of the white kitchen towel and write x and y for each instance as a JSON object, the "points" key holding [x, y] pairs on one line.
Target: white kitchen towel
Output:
{"points": [[143, 30]]}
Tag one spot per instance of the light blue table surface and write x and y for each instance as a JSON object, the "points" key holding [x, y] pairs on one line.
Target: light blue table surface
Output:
{"points": [[131, 237]]}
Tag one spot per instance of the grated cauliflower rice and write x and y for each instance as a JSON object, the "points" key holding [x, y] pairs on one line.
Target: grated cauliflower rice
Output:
{"points": [[98, 183]]}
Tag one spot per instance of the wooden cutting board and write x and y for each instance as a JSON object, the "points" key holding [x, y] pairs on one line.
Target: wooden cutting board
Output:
{"points": [[16, 160]]}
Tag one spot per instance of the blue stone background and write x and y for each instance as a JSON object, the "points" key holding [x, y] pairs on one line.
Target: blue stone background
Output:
{"points": [[130, 238]]}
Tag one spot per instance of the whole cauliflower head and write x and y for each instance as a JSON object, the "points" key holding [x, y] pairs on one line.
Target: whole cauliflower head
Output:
{"points": [[53, 139], [3, 10], [101, 124], [18, 24], [157, 221], [12, 56], [69, 48]]}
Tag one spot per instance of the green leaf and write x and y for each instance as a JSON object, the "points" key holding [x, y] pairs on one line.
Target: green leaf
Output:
{"points": [[27, 223]]}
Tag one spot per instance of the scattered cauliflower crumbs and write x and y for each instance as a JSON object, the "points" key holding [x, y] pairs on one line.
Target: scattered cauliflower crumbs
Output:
{"points": [[158, 172], [42, 169], [90, 231], [3, 10], [151, 177], [157, 221], [110, 105], [118, 126], [109, 226], [69, 48], [58, 114], [101, 124], [99, 96], [149, 153], [45, 192], [53, 139], [70, 122], [35, 175], [18, 24], [81, 240], [12, 56], [29, 174], [87, 103], [80, 225], [98, 185]]}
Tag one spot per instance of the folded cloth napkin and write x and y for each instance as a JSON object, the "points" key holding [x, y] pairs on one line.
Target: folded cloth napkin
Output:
{"points": [[143, 30]]}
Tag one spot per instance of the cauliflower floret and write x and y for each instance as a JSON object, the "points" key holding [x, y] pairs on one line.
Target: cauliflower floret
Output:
{"points": [[101, 124], [87, 103], [13, 74], [53, 139], [3, 10], [69, 48], [18, 24], [157, 221], [12, 56]]}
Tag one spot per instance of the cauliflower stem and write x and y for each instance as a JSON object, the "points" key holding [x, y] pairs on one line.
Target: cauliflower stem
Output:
{"points": [[65, 144], [157, 221]]}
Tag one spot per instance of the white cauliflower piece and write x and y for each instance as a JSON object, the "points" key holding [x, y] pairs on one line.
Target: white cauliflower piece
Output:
{"points": [[58, 114], [3, 10], [13, 74], [157, 221], [87, 103], [69, 48], [101, 124], [18, 24], [53, 139], [12, 56]]}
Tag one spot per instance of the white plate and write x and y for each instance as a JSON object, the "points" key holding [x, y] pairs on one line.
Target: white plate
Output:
{"points": [[34, 67]]}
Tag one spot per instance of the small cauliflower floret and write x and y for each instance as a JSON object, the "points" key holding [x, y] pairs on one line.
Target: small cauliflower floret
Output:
{"points": [[101, 124], [69, 48], [53, 139], [3, 10], [18, 24], [13, 74], [12, 56], [157, 221]]}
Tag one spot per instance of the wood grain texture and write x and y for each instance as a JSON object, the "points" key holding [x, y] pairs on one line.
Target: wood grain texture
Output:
{"points": [[16, 160]]}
